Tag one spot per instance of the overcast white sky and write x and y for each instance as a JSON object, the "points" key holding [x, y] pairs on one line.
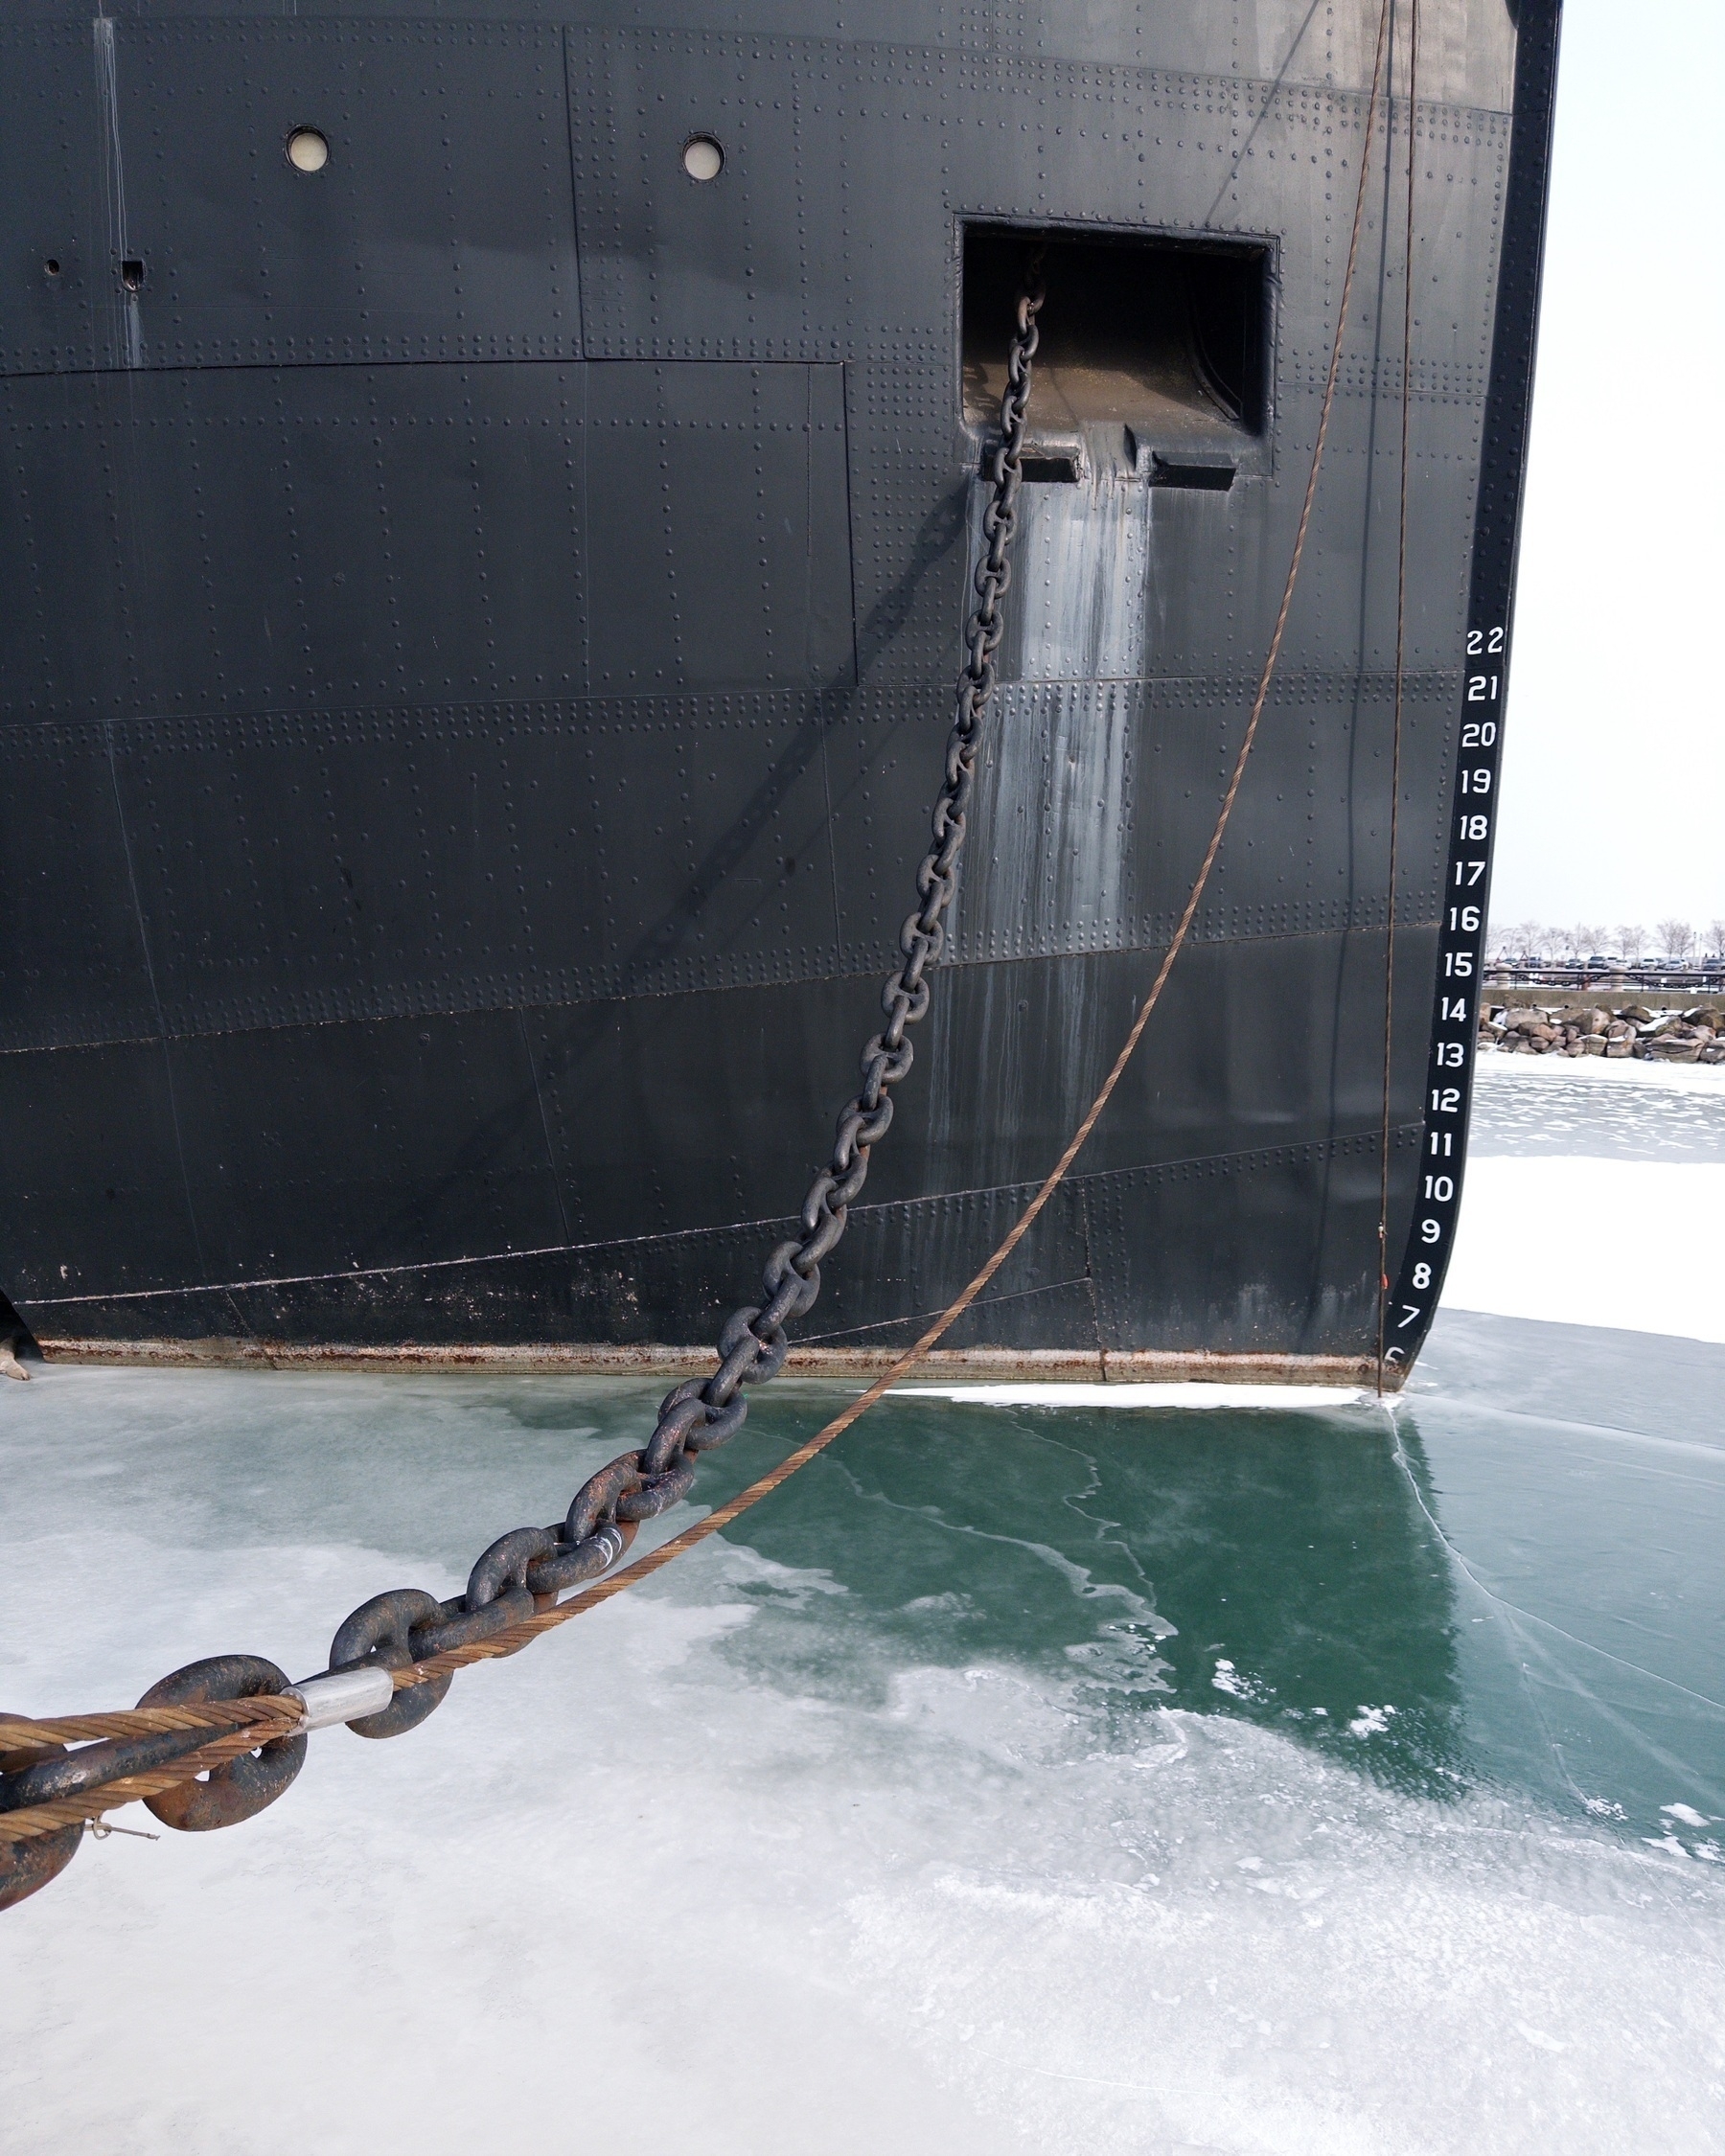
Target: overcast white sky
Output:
{"points": [[1614, 771]]}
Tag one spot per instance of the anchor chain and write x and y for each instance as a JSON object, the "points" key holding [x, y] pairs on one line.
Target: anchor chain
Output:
{"points": [[704, 1413], [525, 1571], [392, 1659]]}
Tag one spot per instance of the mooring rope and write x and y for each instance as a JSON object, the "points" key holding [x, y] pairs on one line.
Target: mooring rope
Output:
{"points": [[30, 1822], [267, 1720]]}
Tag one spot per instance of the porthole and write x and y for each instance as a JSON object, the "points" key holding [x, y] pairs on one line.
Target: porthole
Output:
{"points": [[702, 158], [308, 151]]}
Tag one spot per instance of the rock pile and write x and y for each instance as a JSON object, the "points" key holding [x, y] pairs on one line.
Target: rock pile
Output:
{"points": [[1593, 1029]]}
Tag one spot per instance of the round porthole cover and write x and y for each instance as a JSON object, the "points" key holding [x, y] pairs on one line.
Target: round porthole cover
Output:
{"points": [[307, 150]]}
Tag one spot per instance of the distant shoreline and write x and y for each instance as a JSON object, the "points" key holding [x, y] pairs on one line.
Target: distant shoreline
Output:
{"points": [[1612, 1030], [1675, 1077], [1704, 983]]}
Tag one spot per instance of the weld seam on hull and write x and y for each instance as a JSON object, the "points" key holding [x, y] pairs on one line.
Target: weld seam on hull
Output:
{"points": [[1214, 1163]]}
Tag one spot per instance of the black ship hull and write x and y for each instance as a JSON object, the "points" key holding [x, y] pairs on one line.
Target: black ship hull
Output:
{"points": [[479, 617]]}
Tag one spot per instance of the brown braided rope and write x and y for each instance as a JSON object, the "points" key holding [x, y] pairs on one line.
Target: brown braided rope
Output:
{"points": [[32, 1734], [267, 1716], [32, 1820]]}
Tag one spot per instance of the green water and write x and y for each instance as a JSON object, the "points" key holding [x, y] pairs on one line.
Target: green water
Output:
{"points": [[1453, 1597]]}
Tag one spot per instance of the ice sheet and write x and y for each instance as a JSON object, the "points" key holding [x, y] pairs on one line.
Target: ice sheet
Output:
{"points": [[1581, 1241], [1028, 1777], [1611, 1110]]}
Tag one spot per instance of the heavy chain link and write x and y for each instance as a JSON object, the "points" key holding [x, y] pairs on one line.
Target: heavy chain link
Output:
{"points": [[528, 1568], [752, 1347]]}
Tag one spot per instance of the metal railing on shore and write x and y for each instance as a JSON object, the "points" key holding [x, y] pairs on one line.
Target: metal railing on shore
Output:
{"points": [[1661, 980]]}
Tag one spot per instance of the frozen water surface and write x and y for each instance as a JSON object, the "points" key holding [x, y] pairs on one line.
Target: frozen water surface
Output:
{"points": [[1022, 1775], [1596, 1196], [1606, 1110]]}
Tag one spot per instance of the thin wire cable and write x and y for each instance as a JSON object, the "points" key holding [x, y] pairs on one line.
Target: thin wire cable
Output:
{"points": [[1401, 627], [514, 1637]]}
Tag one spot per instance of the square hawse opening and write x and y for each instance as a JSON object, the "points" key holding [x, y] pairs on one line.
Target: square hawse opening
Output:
{"points": [[1166, 339]]}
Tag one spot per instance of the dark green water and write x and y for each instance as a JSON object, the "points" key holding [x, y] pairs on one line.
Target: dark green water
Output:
{"points": [[1460, 1595]]}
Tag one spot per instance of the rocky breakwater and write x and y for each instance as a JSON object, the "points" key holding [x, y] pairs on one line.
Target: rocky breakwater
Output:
{"points": [[1598, 1029]]}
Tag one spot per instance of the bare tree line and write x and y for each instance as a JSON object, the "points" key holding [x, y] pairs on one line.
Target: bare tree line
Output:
{"points": [[1671, 943]]}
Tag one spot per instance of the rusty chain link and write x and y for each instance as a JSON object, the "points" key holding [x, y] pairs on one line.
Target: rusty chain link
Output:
{"points": [[47, 1794]]}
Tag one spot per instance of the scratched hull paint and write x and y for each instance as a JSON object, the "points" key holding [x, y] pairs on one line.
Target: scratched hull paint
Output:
{"points": [[477, 615]]}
